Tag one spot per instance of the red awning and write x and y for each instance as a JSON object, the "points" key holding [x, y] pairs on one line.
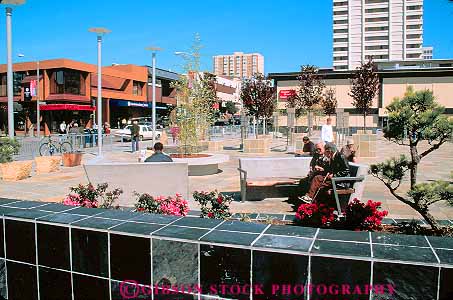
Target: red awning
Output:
{"points": [[66, 107]]}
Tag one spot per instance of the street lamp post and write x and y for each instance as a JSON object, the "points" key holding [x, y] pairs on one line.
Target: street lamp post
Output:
{"points": [[153, 50], [38, 111], [100, 32], [9, 75]]}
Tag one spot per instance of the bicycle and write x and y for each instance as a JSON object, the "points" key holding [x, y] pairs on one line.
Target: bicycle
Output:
{"points": [[50, 147]]}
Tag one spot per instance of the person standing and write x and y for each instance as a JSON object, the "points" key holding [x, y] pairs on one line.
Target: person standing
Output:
{"points": [[135, 136], [327, 132], [63, 127]]}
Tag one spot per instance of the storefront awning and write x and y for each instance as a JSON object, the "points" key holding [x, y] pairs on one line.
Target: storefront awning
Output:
{"points": [[127, 103], [72, 107]]}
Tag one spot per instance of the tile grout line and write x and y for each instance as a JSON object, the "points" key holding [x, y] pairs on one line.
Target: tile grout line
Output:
{"points": [[438, 260], [372, 265], [109, 265], [210, 230], [199, 258], [432, 249], [309, 263], [70, 261], [4, 250], [152, 266], [260, 235], [36, 259], [199, 272], [438, 284], [251, 259], [166, 225]]}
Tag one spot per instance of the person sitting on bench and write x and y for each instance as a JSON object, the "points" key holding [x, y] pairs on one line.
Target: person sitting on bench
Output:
{"points": [[338, 167], [319, 165]]}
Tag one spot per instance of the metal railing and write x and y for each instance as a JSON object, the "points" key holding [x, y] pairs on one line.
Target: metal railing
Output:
{"points": [[29, 146]]}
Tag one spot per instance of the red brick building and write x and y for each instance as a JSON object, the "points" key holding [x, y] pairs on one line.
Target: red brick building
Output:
{"points": [[68, 91]]}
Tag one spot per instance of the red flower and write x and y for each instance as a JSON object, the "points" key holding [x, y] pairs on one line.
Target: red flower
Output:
{"points": [[210, 215], [219, 199]]}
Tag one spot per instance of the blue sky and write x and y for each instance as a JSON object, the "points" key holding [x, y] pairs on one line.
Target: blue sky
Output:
{"points": [[287, 32]]}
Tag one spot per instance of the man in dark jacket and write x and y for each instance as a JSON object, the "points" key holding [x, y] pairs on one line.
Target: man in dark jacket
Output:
{"points": [[338, 167], [135, 136], [158, 155]]}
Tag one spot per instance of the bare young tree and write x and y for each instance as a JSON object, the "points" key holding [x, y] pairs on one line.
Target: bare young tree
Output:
{"points": [[308, 94], [258, 96], [329, 102], [364, 87]]}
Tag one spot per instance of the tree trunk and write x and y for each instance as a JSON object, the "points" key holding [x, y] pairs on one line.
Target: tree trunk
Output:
{"points": [[309, 123], [255, 133], [264, 125], [364, 122], [414, 165], [429, 219]]}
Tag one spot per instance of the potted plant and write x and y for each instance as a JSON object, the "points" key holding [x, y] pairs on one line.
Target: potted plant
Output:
{"points": [[12, 170], [72, 159]]}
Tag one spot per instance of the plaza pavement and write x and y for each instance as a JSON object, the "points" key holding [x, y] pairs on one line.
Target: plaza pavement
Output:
{"points": [[54, 186]]}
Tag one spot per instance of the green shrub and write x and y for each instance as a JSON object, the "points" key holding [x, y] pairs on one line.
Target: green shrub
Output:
{"points": [[8, 147]]}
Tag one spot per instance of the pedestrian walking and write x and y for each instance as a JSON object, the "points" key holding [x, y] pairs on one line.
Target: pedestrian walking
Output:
{"points": [[135, 137]]}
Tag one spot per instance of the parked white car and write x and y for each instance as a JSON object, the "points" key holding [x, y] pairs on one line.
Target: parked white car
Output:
{"points": [[146, 132]]}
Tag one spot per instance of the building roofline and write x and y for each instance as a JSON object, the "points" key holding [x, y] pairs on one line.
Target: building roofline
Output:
{"points": [[422, 72]]}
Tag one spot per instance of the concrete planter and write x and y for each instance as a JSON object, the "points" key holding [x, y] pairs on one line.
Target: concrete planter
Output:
{"points": [[72, 159], [365, 144], [265, 136], [257, 145], [212, 146], [47, 164], [16, 170], [206, 164]]}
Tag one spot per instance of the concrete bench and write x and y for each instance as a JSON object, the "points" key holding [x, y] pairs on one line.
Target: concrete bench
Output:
{"points": [[271, 173], [357, 180], [156, 179]]}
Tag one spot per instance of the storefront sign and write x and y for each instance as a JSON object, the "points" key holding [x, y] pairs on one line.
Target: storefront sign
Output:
{"points": [[138, 104], [33, 87], [126, 103], [284, 94]]}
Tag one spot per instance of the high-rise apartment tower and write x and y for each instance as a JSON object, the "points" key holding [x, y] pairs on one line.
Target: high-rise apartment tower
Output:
{"points": [[238, 64], [384, 29]]}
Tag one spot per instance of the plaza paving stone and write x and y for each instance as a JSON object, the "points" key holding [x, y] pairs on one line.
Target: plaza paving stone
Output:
{"points": [[437, 165]]}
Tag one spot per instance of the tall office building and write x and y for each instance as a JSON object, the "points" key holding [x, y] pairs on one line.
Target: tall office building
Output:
{"points": [[238, 64], [384, 29]]}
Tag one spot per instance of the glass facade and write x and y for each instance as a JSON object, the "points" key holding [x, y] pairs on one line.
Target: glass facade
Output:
{"points": [[67, 82], [17, 84]]}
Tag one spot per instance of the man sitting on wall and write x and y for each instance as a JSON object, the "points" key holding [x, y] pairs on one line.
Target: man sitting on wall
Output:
{"points": [[319, 165], [158, 155], [308, 149], [338, 167]]}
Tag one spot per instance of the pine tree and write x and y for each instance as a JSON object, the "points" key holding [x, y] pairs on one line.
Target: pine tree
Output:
{"points": [[413, 119]]}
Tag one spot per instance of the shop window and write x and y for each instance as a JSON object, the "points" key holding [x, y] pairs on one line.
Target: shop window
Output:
{"points": [[67, 82], [137, 88]]}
